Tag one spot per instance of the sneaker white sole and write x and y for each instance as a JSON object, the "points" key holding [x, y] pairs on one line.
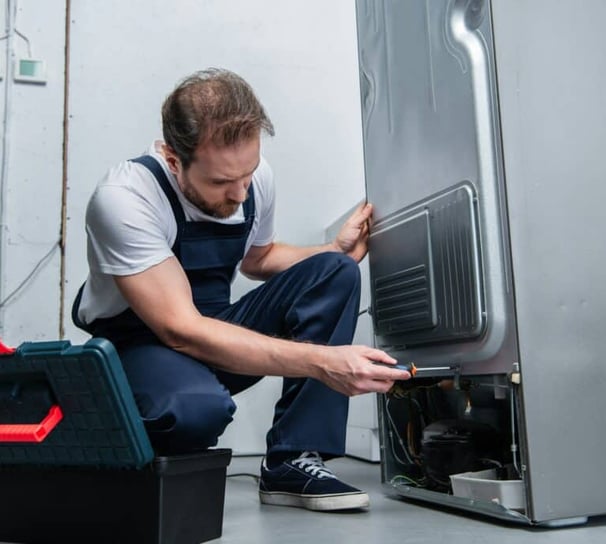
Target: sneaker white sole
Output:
{"points": [[323, 503]]}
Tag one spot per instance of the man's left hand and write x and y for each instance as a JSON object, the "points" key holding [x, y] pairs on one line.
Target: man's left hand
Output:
{"points": [[353, 236]]}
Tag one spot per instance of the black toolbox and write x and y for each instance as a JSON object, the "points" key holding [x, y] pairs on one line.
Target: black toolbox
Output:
{"points": [[76, 464]]}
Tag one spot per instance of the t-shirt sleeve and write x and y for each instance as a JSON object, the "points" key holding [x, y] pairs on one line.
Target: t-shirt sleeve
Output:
{"points": [[124, 233], [266, 232]]}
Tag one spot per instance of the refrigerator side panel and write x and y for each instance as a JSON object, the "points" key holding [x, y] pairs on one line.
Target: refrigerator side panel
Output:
{"points": [[552, 75]]}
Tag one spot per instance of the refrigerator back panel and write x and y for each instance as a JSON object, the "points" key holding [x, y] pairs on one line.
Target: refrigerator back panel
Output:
{"points": [[431, 291], [439, 255]]}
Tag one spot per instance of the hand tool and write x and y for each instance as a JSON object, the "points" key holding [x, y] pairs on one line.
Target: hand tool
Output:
{"points": [[413, 370]]}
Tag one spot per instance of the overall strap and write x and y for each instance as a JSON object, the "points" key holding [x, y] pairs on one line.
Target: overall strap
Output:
{"points": [[158, 172], [248, 208]]}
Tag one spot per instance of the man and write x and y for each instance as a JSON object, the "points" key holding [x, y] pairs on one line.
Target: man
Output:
{"points": [[166, 234]]}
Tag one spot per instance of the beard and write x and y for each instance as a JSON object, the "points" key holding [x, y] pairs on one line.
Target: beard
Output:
{"points": [[222, 210]]}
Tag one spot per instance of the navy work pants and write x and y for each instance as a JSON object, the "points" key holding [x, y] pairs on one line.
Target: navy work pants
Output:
{"points": [[186, 404]]}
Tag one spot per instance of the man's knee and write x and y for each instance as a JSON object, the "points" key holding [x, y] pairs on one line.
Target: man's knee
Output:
{"points": [[338, 266], [196, 422], [349, 269]]}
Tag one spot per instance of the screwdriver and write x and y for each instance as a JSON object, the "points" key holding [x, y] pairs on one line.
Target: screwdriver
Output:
{"points": [[413, 370]]}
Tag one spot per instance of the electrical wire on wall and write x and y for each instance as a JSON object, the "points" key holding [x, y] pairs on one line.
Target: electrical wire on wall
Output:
{"points": [[39, 265], [11, 35], [10, 16], [62, 272]]}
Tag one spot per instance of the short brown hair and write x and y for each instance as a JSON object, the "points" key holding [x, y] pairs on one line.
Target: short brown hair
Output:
{"points": [[213, 105]]}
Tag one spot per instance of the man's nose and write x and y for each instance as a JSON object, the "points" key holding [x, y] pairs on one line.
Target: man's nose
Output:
{"points": [[239, 192]]}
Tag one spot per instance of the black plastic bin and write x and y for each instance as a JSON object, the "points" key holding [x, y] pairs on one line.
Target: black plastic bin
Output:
{"points": [[174, 500], [76, 465]]}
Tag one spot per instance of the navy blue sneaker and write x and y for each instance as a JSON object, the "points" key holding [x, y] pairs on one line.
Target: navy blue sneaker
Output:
{"points": [[307, 483]]}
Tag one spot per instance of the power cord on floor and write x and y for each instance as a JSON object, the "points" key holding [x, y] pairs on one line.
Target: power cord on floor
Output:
{"points": [[255, 477]]}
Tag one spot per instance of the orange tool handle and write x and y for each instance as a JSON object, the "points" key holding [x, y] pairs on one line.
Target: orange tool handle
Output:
{"points": [[412, 370], [35, 432]]}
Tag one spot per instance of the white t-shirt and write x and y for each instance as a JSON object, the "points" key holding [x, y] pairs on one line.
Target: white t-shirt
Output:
{"points": [[131, 227]]}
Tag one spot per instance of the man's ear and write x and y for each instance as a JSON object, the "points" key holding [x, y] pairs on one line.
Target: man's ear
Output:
{"points": [[174, 164]]}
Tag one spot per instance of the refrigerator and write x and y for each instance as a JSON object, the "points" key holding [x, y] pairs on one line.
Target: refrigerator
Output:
{"points": [[484, 129]]}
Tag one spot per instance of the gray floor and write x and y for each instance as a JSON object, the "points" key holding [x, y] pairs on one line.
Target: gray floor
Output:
{"points": [[388, 520]]}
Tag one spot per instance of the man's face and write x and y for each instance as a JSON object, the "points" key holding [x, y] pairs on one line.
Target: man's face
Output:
{"points": [[217, 180]]}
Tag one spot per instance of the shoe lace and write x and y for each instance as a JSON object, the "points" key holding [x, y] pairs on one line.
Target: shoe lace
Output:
{"points": [[311, 462]]}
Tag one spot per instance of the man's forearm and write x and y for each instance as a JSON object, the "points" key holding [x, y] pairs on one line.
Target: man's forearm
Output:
{"points": [[263, 262], [279, 258], [346, 369], [241, 351]]}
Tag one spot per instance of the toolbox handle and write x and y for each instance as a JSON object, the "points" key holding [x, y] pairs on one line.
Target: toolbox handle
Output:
{"points": [[35, 432], [5, 350]]}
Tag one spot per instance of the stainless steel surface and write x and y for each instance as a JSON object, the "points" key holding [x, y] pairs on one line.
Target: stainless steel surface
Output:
{"points": [[490, 509], [552, 75], [432, 289], [520, 118], [430, 123]]}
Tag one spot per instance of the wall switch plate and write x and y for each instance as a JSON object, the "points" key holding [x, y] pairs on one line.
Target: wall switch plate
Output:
{"points": [[30, 70]]}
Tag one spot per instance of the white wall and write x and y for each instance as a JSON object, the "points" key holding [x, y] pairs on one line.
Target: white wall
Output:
{"points": [[30, 224], [301, 58]]}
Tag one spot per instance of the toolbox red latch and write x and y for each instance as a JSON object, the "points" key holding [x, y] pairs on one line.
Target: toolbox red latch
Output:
{"points": [[34, 432], [5, 350]]}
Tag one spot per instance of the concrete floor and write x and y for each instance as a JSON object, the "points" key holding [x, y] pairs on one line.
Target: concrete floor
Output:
{"points": [[388, 520]]}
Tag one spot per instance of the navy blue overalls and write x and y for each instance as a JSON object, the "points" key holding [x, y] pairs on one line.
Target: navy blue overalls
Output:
{"points": [[185, 403]]}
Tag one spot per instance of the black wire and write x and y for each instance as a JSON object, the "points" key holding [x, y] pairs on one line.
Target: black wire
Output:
{"points": [[255, 477], [39, 265]]}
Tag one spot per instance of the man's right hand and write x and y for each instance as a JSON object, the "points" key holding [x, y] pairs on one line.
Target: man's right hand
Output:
{"points": [[351, 370]]}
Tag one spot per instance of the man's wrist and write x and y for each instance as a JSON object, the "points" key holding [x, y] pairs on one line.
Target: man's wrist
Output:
{"points": [[334, 246]]}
